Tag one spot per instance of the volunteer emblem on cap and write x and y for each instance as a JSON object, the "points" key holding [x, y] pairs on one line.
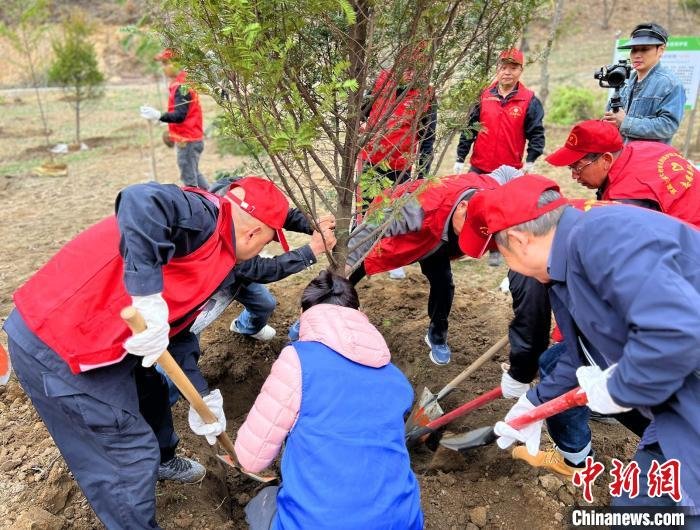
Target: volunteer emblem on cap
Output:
{"points": [[572, 139]]}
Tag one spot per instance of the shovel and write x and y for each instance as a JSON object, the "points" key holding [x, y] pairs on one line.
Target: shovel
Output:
{"points": [[485, 435], [137, 324], [419, 433], [428, 408]]}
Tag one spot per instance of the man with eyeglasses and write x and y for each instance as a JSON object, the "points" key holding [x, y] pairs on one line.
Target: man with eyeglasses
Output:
{"points": [[648, 174], [652, 175], [653, 99]]}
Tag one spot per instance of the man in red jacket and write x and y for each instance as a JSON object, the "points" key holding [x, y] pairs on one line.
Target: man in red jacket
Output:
{"points": [[91, 381], [649, 174], [424, 229], [509, 115], [184, 119]]}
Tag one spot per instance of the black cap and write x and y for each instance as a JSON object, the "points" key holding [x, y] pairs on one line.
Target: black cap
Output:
{"points": [[649, 34]]}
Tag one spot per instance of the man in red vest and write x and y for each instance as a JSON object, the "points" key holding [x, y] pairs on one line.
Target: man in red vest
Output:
{"points": [[165, 252], [184, 119], [401, 116], [508, 115], [425, 229], [649, 174]]}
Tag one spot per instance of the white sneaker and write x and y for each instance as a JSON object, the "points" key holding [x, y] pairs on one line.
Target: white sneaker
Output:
{"points": [[397, 274], [265, 334]]}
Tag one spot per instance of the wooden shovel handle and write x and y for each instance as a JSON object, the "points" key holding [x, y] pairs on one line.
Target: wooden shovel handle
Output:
{"points": [[137, 324], [473, 367]]}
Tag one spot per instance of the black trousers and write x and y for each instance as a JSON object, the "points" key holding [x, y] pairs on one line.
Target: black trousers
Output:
{"points": [[528, 332], [437, 269]]}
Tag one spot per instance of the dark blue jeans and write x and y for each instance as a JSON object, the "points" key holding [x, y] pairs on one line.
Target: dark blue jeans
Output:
{"points": [[569, 430], [258, 305]]}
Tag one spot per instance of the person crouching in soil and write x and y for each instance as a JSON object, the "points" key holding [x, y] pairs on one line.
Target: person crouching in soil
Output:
{"points": [[339, 403]]}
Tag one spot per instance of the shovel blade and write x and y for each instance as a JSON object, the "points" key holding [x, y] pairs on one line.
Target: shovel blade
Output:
{"points": [[427, 410], [226, 459], [470, 440]]}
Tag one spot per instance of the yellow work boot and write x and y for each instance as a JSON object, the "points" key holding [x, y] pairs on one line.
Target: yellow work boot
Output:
{"points": [[552, 460]]}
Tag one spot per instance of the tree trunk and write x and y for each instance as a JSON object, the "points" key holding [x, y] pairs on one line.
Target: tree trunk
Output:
{"points": [[544, 73], [608, 9], [35, 84], [346, 188], [77, 122]]}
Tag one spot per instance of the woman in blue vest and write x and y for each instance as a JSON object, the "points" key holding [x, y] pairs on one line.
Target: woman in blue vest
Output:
{"points": [[339, 403]]}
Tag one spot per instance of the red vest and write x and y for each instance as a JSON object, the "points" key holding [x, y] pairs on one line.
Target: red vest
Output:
{"points": [[502, 138], [437, 202], [73, 302], [395, 141], [189, 130], [658, 172]]}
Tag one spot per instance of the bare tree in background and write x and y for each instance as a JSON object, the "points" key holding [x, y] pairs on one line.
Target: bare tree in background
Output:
{"points": [[297, 75], [25, 27], [553, 28], [608, 10]]}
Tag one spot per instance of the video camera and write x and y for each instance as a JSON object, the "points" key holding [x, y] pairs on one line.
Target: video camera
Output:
{"points": [[614, 76]]}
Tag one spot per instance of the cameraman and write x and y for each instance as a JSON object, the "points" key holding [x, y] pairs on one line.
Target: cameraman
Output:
{"points": [[652, 98]]}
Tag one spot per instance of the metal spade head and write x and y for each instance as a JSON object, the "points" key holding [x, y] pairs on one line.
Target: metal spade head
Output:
{"points": [[469, 440], [427, 410]]}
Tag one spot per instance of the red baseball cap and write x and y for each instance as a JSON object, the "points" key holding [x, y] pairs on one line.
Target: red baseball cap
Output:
{"points": [[490, 211], [512, 55], [590, 136], [166, 55], [264, 201]]}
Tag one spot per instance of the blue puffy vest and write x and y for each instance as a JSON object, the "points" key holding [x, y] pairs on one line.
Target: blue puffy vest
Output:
{"points": [[345, 465]]}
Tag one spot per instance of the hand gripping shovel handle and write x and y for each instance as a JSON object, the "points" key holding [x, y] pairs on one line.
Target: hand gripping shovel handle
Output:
{"points": [[137, 324], [469, 370], [573, 398]]}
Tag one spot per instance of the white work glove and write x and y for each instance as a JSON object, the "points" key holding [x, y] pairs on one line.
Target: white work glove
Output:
{"points": [[149, 113], [153, 341], [529, 435], [527, 168], [458, 167], [509, 386], [594, 383], [215, 402]]}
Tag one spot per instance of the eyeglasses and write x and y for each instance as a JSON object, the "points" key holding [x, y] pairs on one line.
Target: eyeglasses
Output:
{"points": [[577, 169]]}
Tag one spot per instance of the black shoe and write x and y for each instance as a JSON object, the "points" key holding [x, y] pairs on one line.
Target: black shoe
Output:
{"points": [[602, 418], [181, 469]]}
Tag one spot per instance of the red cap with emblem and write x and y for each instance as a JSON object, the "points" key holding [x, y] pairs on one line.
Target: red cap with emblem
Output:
{"points": [[512, 55], [590, 136], [490, 211], [264, 201]]}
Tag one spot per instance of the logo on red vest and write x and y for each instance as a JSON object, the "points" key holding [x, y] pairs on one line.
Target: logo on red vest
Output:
{"points": [[515, 112], [676, 172]]}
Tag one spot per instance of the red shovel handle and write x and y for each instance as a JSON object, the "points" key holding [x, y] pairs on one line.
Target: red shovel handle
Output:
{"points": [[573, 398], [467, 407]]}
